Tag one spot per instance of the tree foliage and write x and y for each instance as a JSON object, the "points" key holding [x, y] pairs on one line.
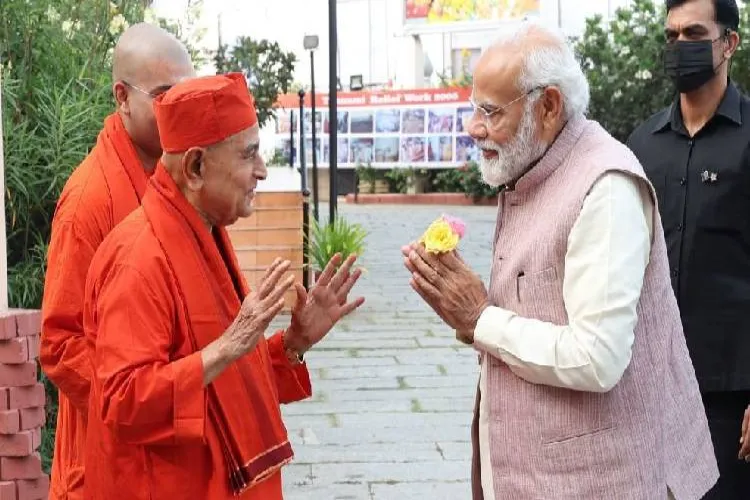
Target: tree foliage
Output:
{"points": [[623, 62], [269, 70]]}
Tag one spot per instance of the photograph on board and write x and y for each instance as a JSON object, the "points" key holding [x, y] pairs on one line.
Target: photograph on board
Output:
{"points": [[386, 149], [342, 123], [440, 148], [325, 155], [342, 150], [285, 121], [412, 121], [362, 122], [308, 150], [463, 118], [441, 121], [284, 148], [466, 149], [361, 150], [387, 120], [318, 122], [412, 149]]}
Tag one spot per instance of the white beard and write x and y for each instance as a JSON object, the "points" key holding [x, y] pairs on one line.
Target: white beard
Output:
{"points": [[514, 157]]}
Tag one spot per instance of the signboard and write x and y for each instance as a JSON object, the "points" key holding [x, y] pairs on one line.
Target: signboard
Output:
{"points": [[453, 12], [423, 128]]}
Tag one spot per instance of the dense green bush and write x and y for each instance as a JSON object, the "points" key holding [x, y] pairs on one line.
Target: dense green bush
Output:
{"points": [[623, 63]]}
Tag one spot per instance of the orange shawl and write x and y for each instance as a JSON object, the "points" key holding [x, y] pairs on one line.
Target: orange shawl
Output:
{"points": [[242, 401]]}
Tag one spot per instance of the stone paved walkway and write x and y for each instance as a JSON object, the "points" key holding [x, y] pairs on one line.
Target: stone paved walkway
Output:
{"points": [[392, 388]]}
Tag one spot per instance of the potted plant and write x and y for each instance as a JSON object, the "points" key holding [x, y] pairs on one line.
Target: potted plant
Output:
{"points": [[326, 240]]}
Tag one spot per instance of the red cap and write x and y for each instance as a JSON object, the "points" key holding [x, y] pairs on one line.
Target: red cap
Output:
{"points": [[203, 111]]}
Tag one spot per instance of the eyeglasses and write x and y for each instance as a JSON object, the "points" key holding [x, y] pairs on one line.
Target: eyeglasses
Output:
{"points": [[159, 91], [491, 118]]}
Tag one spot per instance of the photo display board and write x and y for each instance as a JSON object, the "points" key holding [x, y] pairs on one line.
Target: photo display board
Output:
{"points": [[423, 128]]}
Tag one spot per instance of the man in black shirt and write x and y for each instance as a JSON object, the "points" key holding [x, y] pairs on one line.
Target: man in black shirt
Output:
{"points": [[696, 153]]}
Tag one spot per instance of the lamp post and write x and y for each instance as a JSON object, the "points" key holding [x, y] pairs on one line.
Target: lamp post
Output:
{"points": [[310, 43], [332, 108], [305, 195]]}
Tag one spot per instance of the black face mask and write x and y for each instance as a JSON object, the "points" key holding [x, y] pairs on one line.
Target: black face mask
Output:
{"points": [[690, 64]]}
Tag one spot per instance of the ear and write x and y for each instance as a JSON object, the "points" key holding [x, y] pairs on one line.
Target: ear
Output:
{"points": [[193, 168], [551, 103], [733, 42], [120, 93]]}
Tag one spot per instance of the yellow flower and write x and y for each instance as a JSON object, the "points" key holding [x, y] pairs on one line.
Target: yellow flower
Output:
{"points": [[440, 237]]}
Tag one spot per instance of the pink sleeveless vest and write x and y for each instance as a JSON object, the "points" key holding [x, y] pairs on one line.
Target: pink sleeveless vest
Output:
{"points": [[649, 432]]}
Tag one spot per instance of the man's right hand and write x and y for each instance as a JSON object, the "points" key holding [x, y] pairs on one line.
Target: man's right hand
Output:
{"points": [[256, 313]]}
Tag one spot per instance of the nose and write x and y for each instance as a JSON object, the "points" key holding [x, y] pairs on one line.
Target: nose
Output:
{"points": [[260, 171], [477, 129]]}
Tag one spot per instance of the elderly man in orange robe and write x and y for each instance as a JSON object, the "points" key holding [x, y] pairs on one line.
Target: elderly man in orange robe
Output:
{"points": [[106, 187], [187, 388]]}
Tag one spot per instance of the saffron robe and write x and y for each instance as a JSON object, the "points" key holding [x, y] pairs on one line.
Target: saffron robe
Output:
{"points": [[105, 187], [161, 287]]}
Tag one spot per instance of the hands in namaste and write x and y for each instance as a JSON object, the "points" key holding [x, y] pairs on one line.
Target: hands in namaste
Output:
{"points": [[449, 287], [317, 311]]}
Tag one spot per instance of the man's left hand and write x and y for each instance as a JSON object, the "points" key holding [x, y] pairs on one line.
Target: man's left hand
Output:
{"points": [[745, 437], [449, 286], [316, 312]]}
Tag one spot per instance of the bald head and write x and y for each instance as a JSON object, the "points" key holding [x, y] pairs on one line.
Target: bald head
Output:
{"points": [[147, 61], [143, 48]]}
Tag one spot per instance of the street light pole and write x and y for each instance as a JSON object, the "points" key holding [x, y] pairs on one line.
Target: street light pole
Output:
{"points": [[332, 109], [305, 196], [310, 43], [315, 149]]}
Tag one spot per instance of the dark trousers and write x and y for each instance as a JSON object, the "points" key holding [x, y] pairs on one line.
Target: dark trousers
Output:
{"points": [[725, 411]]}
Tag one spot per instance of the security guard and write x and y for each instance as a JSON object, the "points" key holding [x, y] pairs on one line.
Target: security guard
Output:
{"points": [[696, 153]]}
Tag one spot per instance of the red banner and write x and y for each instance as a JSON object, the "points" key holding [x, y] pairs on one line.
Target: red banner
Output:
{"points": [[419, 97]]}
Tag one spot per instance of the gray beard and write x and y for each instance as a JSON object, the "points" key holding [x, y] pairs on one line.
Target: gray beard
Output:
{"points": [[513, 158]]}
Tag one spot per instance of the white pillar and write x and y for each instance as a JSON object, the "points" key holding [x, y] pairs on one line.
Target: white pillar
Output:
{"points": [[3, 241]]}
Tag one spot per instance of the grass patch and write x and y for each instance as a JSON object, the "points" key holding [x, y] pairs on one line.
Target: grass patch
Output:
{"points": [[402, 383], [442, 370]]}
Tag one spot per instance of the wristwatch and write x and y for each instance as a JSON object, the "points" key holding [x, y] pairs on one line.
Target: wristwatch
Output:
{"points": [[292, 355]]}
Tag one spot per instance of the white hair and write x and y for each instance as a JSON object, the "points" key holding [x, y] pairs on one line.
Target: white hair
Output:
{"points": [[549, 64]]}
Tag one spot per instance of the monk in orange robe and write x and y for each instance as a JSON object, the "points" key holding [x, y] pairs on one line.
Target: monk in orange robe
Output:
{"points": [[106, 187], [187, 388]]}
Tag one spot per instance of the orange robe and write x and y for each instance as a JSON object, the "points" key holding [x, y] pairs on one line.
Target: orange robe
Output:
{"points": [[106, 187], [162, 287]]}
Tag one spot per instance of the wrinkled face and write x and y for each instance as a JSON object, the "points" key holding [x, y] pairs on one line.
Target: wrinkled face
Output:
{"points": [[135, 98], [228, 174], [504, 123]]}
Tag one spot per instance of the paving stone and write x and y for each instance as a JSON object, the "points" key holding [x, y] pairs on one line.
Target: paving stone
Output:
{"points": [[455, 450], [422, 491], [398, 394], [344, 436], [368, 452], [354, 472], [393, 390], [324, 407], [382, 371]]}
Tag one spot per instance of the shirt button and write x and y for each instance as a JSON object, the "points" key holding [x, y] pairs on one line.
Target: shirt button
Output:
{"points": [[683, 181], [675, 272], [680, 227]]}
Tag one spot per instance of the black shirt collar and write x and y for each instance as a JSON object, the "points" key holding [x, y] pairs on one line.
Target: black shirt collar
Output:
{"points": [[730, 107]]}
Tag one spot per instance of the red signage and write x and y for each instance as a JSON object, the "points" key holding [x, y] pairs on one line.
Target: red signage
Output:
{"points": [[417, 97]]}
